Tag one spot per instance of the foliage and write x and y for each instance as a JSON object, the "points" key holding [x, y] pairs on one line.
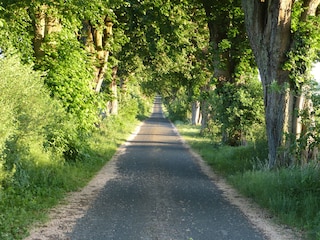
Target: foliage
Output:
{"points": [[236, 102], [168, 38], [69, 78], [233, 50], [36, 135], [160, 47], [301, 57], [305, 50], [49, 181], [15, 30], [27, 115], [238, 107], [178, 107]]}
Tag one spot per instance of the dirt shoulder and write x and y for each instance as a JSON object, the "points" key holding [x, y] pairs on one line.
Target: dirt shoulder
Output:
{"points": [[64, 216], [261, 218]]}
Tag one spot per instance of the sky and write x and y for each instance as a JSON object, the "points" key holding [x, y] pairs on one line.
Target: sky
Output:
{"points": [[316, 72]]}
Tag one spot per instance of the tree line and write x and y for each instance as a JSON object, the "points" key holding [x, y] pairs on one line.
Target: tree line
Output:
{"points": [[203, 57]]}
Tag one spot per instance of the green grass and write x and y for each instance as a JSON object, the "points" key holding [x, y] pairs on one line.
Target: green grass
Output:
{"points": [[226, 160], [48, 181], [292, 195]]}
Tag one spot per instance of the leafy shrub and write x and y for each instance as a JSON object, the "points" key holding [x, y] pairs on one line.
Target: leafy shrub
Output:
{"points": [[69, 78], [177, 108], [34, 127], [144, 107], [238, 108]]}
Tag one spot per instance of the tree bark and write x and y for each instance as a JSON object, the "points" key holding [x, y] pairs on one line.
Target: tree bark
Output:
{"points": [[205, 113], [44, 24], [96, 41], [196, 113], [39, 31], [101, 70], [268, 25], [114, 90]]}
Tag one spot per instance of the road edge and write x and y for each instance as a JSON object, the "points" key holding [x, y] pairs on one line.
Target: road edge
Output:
{"points": [[259, 217], [63, 217]]}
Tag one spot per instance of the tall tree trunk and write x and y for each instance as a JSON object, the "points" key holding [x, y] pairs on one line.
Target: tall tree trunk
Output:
{"points": [[44, 24], [96, 41], [101, 70], [268, 25], [196, 113], [114, 90], [205, 107], [205, 113], [223, 63], [39, 31]]}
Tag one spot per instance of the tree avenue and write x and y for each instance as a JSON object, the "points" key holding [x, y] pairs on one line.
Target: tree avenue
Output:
{"points": [[96, 58], [72, 70]]}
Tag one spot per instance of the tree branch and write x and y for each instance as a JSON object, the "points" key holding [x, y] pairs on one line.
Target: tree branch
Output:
{"points": [[310, 7]]}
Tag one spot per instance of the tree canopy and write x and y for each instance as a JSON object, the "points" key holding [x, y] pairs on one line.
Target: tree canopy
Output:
{"points": [[200, 56]]}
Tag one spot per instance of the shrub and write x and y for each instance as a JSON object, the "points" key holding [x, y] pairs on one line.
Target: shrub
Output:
{"points": [[69, 77], [177, 108], [34, 127]]}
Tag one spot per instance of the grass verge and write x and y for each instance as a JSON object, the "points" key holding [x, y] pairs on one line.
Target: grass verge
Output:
{"points": [[20, 207], [292, 195]]}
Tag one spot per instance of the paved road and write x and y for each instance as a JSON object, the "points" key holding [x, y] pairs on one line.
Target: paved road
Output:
{"points": [[160, 193]]}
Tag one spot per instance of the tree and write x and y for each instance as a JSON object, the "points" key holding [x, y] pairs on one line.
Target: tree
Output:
{"points": [[232, 65], [166, 45], [277, 28], [96, 34]]}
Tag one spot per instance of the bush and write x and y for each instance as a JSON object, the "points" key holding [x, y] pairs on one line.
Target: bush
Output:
{"points": [[177, 109], [34, 127], [36, 136], [69, 79]]}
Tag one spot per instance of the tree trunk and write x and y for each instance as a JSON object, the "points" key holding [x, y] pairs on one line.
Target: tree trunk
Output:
{"points": [[268, 25], [196, 113], [96, 41], [39, 31], [223, 61], [269, 29], [114, 90], [44, 24], [101, 70], [205, 113]]}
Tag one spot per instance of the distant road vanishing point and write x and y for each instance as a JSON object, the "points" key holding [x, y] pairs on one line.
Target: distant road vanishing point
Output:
{"points": [[159, 192]]}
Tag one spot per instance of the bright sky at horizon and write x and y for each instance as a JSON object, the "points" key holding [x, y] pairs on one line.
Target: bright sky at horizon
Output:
{"points": [[316, 72]]}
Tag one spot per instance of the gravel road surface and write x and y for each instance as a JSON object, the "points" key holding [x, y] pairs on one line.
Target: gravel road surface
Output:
{"points": [[160, 192]]}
